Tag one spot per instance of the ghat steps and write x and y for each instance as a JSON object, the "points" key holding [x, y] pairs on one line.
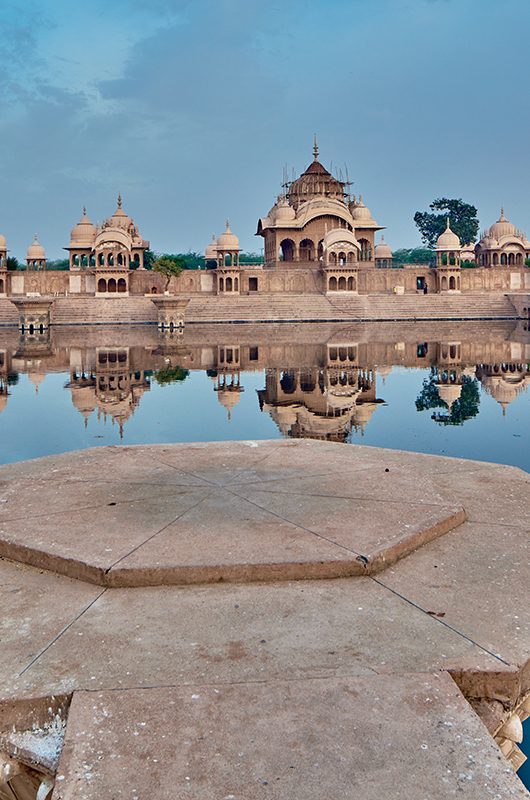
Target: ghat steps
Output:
{"points": [[274, 307]]}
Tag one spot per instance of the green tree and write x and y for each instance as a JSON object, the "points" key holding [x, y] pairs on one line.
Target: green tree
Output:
{"points": [[462, 217], [149, 259], [169, 375], [59, 263], [414, 255], [169, 267], [466, 407], [12, 263]]}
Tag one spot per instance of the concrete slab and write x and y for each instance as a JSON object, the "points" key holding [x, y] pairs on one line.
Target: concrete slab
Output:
{"points": [[210, 521], [229, 633], [406, 738]]}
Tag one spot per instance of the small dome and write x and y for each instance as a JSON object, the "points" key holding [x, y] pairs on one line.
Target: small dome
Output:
{"points": [[359, 211], [283, 212], [210, 252], [502, 227], [84, 232], [228, 240], [36, 251], [383, 250], [448, 240], [450, 393], [3, 243]]}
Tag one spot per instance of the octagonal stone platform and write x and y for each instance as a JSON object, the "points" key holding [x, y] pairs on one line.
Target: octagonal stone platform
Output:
{"points": [[237, 511]]}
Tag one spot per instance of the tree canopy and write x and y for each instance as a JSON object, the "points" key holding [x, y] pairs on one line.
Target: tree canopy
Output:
{"points": [[462, 218], [169, 267], [414, 255], [466, 407]]}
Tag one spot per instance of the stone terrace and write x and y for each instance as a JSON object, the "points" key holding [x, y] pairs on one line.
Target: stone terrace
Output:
{"points": [[289, 619]]}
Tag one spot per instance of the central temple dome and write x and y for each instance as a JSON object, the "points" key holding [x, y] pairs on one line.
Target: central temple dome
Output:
{"points": [[502, 227], [315, 181]]}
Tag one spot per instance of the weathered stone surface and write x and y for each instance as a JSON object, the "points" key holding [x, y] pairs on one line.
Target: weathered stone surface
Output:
{"points": [[233, 511], [407, 738]]}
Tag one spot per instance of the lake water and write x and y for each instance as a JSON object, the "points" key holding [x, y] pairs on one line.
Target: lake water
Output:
{"points": [[442, 388]]}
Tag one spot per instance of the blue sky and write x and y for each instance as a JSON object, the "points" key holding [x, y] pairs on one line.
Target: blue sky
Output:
{"points": [[191, 108]]}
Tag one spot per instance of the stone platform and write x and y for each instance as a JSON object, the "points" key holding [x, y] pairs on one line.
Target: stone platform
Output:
{"points": [[290, 618]]}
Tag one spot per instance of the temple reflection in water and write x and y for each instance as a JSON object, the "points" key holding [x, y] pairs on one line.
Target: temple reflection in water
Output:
{"points": [[320, 381]]}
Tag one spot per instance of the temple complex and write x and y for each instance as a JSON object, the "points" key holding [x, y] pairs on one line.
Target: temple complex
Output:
{"points": [[502, 245]]}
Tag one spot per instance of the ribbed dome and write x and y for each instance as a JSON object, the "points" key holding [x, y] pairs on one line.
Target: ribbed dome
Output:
{"points": [[228, 240], [120, 219], [210, 253], [448, 240], [502, 227], [283, 212], [36, 251], [359, 211], [383, 250], [84, 232], [450, 393], [3, 243]]}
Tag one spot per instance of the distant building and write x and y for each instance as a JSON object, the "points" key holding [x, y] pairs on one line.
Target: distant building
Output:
{"points": [[502, 245]]}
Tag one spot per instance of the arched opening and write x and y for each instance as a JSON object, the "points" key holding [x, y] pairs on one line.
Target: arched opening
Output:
{"points": [[333, 284], [444, 284], [342, 284], [120, 259], [154, 290], [122, 285], [288, 382], [92, 260], [236, 284], [351, 257], [307, 250], [511, 259], [287, 250], [221, 284], [495, 259], [102, 285], [320, 250], [229, 284], [503, 258], [342, 258], [333, 258], [101, 259], [366, 250], [111, 286], [350, 284], [519, 259], [84, 261], [2, 287], [452, 282], [76, 260], [110, 260]]}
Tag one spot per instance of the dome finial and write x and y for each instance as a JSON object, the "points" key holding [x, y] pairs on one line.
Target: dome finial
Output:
{"points": [[119, 200], [84, 211], [315, 147], [503, 218], [448, 224], [227, 224]]}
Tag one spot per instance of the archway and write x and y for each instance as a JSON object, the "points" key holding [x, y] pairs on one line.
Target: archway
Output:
{"points": [[111, 286], [519, 259], [110, 260], [307, 250], [228, 284], [102, 285], [495, 259], [351, 285], [511, 259], [122, 285], [1, 287], [452, 282], [342, 284], [287, 250], [342, 258], [366, 250], [444, 284], [101, 259], [503, 259], [333, 284], [221, 284]]}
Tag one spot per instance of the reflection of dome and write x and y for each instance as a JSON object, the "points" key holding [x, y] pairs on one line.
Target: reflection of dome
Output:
{"points": [[36, 251], [504, 388], [383, 249], [210, 252], [84, 400], [449, 392], [448, 240], [283, 212], [84, 232], [502, 227], [228, 398], [36, 378], [3, 401], [228, 240]]}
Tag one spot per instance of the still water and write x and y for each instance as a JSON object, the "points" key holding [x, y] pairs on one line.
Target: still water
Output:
{"points": [[443, 388]]}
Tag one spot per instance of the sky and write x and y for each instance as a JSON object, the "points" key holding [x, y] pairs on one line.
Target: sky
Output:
{"points": [[193, 108]]}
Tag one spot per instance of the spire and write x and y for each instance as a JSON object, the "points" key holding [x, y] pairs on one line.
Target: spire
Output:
{"points": [[315, 147], [84, 211], [448, 226], [502, 217], [227, 226], [119, 200]]}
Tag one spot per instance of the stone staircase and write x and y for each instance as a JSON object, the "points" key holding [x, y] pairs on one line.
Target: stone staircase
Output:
{"points": [[103, 311], [8, 313]]}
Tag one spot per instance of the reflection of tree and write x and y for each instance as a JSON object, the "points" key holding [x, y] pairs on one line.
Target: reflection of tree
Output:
{"points": [[169, 375], [12, 379], [465, 407]]}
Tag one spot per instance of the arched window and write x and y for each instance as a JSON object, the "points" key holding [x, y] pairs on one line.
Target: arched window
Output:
{"points": [[111, 286], [366, 250], [511, 259], [120, 259], [495, 259], [76, 259], [92, 260], [350, 284], [101, 259], [342, 284], [84, 261], [307, 250], [452, 282], [333, 258], [287, 250], [444, 284], [122, 285], [228, 284], [503, 258], [342, 259], [110, 260], [102, 285], [154, 290], [351, 257], [333, 284], [236, 284]]}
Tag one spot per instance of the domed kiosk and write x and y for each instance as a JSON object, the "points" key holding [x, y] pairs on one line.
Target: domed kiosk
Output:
{"points": [[448, 261]]}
